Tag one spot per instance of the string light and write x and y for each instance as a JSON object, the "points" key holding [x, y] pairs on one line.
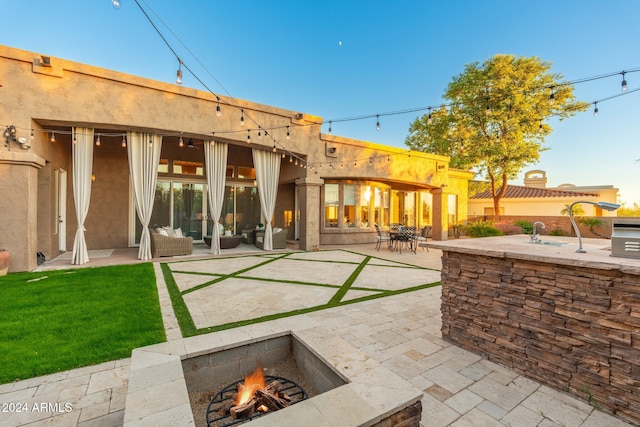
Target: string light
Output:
{"points": [[115, 4], [53, 137], [429, 118], [242, 122], [330, 128], [32, 134], [288, 134], [190, 143], [290, 158], [552, 96], [181, 141], [124, 142], [623, 85], [179, 73], [98, 140], [248, 137], [595, 110], [377, 122], [259, 132], [218, 110]]}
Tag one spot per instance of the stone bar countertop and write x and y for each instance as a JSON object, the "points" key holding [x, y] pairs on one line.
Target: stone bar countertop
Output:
{"points": [[598, 253]]}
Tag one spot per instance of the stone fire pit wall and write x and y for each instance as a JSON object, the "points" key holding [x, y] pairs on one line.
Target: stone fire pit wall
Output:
{"points": [[560, 322]]}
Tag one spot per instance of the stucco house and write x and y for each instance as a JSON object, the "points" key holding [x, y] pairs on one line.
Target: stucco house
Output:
{"points": [[534, 198], [82, 142]]}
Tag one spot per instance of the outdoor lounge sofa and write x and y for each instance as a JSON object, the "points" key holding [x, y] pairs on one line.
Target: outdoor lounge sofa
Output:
{"points": [[162, 245], [279, 238]]}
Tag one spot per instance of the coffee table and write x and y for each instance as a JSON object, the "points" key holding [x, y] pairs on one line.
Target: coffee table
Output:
{"points": [[226, 242]]}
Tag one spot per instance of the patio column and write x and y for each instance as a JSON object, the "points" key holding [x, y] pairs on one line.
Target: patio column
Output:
{"points": [[308, 190], [440, 230]]}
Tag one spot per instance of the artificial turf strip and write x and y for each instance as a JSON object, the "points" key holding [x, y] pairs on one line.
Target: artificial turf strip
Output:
{"points": [[58, 320]]}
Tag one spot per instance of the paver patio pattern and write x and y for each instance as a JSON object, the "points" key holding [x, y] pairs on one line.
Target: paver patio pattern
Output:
{"points": [[401, 331]]}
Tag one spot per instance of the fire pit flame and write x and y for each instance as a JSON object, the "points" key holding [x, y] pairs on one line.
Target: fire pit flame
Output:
{"points": [[252, 382]]}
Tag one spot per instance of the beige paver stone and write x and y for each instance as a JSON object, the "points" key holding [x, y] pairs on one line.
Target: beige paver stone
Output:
{"points": [[436, 413], [492, 410], [497, 393], [94, 411], [557, 407], [438, 392], [404, 366], [522, 417], [113, 419], [447, 378], [108, 379], [600, 419], [463, 401], [475, 418]]}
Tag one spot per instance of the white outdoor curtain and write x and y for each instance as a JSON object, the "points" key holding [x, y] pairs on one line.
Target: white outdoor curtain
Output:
{"points": [[215, 157], [82, 149], [144, 156], [267, 164]]}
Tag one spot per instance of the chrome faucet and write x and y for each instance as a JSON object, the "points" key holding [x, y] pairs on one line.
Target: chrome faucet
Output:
{"points": [[534, 236]]}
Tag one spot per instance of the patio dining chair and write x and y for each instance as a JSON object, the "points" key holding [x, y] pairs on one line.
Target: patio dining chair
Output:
{"points": [[423, 237], [381, 238]]}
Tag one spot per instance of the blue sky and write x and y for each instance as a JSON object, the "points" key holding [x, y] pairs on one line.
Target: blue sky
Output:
{"points": [[340, 59]]}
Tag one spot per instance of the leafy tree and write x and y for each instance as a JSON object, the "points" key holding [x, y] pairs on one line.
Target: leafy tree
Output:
{"points": [[629, 210], [494, 121], [592, 222]]}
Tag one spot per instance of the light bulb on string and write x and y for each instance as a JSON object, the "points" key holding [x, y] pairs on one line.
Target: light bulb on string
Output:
{"points": [[248, 137], [259, 132], [181, 141], [330, 128], [595, 109], [218, 110], [288, 134], [242, 122], [290, 159], [98, 140], [623, 85], [32, 135], [190, 143], [115, 4], [179, 73], [53, 137], [429, 118], [552, 97], [283, 155], [377, 122], [124, 142]]}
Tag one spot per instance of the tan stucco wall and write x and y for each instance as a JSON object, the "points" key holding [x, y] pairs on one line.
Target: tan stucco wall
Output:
{"points": [[70, 94], [542, 206]]}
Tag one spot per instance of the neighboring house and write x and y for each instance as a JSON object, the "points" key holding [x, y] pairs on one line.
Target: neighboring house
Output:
{"points": [[535, 199], [330, 190]]}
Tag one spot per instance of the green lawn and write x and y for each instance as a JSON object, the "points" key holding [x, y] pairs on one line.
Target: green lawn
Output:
{"points": [[58, 320]]}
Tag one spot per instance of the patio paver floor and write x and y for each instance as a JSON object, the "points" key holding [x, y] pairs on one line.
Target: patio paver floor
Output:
{"points": [[400, 331]]}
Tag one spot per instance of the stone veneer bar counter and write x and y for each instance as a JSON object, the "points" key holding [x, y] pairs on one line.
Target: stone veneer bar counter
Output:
{"points": [[569, 320]]}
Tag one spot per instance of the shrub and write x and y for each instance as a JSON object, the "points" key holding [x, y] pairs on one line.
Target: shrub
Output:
{"points": [[557, 232], [526, 226], [508, 228], [481, 229]]}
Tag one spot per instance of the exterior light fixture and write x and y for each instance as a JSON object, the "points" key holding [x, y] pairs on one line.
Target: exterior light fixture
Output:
{"points": [[124, 142], [288, 134], [595, 109], [179, 73], [53, 137], [218, 110], [429, 118], [242, 122], [624, 82], [603, 205], [377, 122], [330, 128], [248, 137], [98, 140], [181, 141]]}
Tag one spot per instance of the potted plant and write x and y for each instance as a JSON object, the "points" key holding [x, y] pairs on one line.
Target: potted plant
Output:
{"points": [[228, 230]]}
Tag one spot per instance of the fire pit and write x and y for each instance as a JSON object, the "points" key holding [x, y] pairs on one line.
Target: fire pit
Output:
{"points": [[349, 387], [221, 410]]}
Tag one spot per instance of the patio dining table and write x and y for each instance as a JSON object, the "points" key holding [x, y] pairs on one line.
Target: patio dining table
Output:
{"points": [[402, 236]]}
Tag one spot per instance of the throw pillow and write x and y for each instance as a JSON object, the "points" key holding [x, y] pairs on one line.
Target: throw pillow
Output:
{"points": [[178, 232], [169, 231], [277, 230], [162, 232]]}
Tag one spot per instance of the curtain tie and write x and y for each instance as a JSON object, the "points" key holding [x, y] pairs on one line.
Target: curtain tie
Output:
{"points": [[81, 227]]}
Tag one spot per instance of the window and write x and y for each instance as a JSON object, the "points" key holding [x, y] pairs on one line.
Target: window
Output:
{"points": [[246, 173], [453, 208], [365, 202], [184, 167], [349, 211], [424, 215], [163, 166], [331, 200]]}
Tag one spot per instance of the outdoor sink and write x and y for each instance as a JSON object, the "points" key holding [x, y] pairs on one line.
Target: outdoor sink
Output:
{"points": [[549, 243]]}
